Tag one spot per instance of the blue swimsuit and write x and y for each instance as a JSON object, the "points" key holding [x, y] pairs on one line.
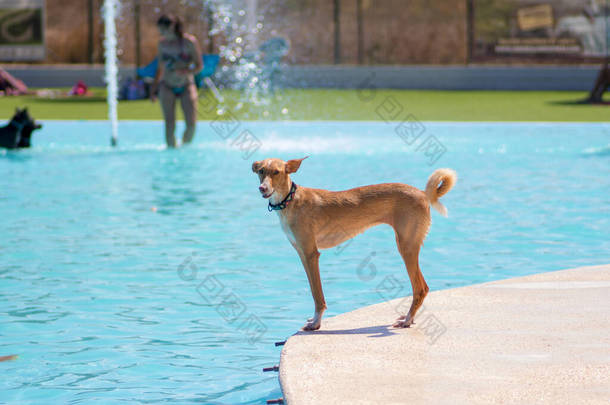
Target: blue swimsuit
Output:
{"points": [[169, 61]]}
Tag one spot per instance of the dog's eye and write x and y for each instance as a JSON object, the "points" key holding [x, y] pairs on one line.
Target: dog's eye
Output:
{"points": [[276, 172]]}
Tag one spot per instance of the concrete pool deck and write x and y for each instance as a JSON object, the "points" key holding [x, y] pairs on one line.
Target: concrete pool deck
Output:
{"points": [[543, 338]]}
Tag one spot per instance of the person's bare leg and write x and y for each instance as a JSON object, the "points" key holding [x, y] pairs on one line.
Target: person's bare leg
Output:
{"points": [[188, 100], [167, 99]]}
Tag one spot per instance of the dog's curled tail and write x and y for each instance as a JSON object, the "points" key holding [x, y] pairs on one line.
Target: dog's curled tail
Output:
{"points": [[439, 184]]}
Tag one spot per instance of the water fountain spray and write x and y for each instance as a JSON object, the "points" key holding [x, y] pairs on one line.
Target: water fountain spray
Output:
{"points": [[238, 22], [111, 69]]}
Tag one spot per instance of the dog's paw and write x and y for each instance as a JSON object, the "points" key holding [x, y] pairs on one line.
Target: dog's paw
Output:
{"points": [[312, 324], [403, 322]]}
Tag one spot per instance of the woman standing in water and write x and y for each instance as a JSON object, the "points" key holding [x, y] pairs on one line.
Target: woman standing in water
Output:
{"points": [[179, 60]]}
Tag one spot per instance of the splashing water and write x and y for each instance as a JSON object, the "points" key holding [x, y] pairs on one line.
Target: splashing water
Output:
{"points": [[251, 60], [111, 66]]}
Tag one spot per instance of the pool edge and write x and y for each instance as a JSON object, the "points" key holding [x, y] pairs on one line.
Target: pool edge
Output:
{"points": [[323, 367]]}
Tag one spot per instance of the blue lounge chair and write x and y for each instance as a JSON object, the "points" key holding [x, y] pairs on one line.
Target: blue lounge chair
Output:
{"points": [[210, 62]]}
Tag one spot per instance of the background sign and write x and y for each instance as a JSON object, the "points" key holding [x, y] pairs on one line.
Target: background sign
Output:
{"points": [[533, 29], [22, 30]]}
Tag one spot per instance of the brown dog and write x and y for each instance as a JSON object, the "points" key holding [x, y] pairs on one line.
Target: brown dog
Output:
{"points": [[315, 219]]}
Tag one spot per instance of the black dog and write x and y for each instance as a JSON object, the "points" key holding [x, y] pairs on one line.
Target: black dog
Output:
{"points": [[18, 132], [26, 133]]}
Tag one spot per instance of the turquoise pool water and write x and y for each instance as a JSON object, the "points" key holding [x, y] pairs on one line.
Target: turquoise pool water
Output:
{"points": [[111, 258]]}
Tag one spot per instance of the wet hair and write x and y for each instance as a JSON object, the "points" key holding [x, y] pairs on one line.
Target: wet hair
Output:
{"points": [[166, 20]]}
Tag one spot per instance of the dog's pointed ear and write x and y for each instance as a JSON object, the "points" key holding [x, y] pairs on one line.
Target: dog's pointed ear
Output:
{"points": [[293, 165], [256, 166]]}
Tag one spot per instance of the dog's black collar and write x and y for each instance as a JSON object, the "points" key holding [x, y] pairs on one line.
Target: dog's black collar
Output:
{"points": [[282, 204]]}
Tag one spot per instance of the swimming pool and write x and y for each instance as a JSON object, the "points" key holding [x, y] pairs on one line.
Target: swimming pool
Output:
{"points": [[116, 264]]}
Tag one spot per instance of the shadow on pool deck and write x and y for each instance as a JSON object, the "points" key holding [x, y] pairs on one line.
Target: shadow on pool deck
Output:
{"points": [[375, 331]]}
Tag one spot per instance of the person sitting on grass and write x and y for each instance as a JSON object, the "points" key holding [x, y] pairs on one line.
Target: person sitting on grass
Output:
{"points": [[179, 60]]}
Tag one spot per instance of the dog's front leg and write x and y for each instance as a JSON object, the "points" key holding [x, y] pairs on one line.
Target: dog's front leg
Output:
{"points": [[308, 252]]}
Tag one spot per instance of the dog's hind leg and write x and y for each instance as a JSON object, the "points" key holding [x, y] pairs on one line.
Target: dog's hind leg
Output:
{"points": [[409, 250]]}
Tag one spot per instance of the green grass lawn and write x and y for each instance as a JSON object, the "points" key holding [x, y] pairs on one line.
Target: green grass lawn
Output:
{"points": [[333, 104]]}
